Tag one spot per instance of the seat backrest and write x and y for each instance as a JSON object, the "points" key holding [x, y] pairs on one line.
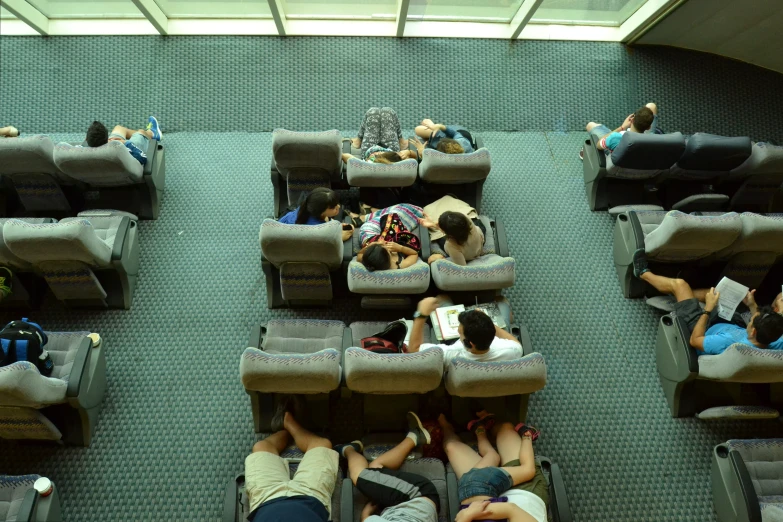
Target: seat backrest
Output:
{"points": [[286, 336], [439, 167], [765, 158], [466, 378], [26, 423], [368, 174], [393, 374], [759, 234], [22, 385], [642, 156], [34, 154], [318, 244], [708, 155], [8, 258], [71, 240], [764, 460], [317, 154], [12, 492], [317, 372], [109, 165], [743, 363], [685, 237]]}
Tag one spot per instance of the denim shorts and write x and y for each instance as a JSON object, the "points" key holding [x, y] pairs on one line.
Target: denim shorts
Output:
{"points": [[137, 139], [484, 482]]}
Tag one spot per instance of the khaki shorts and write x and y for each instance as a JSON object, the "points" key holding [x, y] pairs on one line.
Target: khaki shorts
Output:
{"points": [[267, 477], [537, 485]]}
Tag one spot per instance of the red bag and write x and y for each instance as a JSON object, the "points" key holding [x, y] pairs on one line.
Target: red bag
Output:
{"points": [[390, 340]]}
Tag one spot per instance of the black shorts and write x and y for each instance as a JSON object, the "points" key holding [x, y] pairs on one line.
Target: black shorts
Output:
{"points": [[388, 487], [690, 311]]}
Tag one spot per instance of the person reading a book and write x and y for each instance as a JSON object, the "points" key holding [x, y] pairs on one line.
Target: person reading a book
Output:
{"points": [[479, 338], [387, 238], [710, 334]]}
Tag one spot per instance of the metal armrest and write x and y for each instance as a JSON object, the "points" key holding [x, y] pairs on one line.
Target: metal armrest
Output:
{"points": [[151, 149], [81, 365], [25, 513], [601, 155], [452, 491], [346, 501], [257, 335], [347, 245], [747, 490], [501, 241], [121, 237], [424, 235], [521, 333], [636, 227], [346, 146], [690, 354], [558, 498], [231, 499]]}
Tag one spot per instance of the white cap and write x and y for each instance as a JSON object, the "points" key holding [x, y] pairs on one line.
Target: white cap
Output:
{"points": [[43, 486]]}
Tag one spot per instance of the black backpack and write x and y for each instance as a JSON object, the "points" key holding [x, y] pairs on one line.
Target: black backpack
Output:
{"points": [[390, 340], [25, 341]]}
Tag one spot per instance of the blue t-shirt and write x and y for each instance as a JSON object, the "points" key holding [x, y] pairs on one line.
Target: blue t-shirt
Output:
{"points": [[290, 219], [609, 143], [301, 508], [722, 335]]}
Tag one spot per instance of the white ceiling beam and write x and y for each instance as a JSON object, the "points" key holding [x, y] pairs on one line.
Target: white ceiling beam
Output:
{"points": [[402, 16], [278, 15], [523, 16], [646, 17], [154, 14], [28, 14]]}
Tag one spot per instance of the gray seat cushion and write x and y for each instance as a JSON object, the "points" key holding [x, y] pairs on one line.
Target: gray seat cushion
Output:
{"points": [[12, 492], [110, 165]]}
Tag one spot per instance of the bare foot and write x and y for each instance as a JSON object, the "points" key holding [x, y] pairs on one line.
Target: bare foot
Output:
{"points": [[434, 257], [444, 422], [427, 223], [356, 143]]}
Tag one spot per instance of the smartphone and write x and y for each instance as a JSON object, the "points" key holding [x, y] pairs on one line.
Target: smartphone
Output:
{"points": [[347, 227]]}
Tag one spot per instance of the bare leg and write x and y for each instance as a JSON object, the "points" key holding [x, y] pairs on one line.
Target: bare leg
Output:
{"points": [[395, 457], [304, 439], [590, 126], [652, 107], [423, 132], [9, 132], [356, 463], [461, 456], [508, 441], [679, 288], [489, 457], [526, 469], [275, 443]]}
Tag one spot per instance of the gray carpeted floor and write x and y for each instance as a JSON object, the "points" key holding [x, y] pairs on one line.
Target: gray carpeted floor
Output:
{"points": [[176, 423]]}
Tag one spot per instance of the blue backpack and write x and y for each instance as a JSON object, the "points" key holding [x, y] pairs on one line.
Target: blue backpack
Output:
{"points": [[25, 341]]}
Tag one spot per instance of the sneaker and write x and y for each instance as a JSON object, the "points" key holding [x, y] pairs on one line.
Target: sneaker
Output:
{"points": [[356, 444], [582, 154], [523, 428], [155, 128], [639, 263], [6, 281], [415, 426]]}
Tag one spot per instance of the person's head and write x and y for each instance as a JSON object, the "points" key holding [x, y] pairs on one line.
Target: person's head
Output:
{"points": [[766, 326], [449, 146], [386, 157], [97, 134], [321, 203], [777, 304], [642, 119], [376, 257], [455, 225], [476, 331]]}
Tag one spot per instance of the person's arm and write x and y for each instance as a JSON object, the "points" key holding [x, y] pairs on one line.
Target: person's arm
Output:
{"points": [[368, 510], [750, 302], [409, 260], [699, 331], [425, 307], [493, 511], [365, 247], [502, 334], [347, 156], [394, 247], [455, 254]]}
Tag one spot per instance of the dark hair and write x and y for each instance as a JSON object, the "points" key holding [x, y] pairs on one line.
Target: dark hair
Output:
{"points": [[375, 257], [643, 118], [97, 134], [768, 325], [450, 146], [387, 157], [318, 201], [478, 329], [455, 225]]}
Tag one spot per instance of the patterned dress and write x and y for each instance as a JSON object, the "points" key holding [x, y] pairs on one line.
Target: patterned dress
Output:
{"points": [[393, 224]]}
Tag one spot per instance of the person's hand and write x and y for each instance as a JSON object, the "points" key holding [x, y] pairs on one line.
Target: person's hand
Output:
{"points": [[711, 299], [434, 257], [356, 143], [369, 509], [477, 510], [428, 305], [347, 156], [627, 122], [391, 246], [750, 299]]}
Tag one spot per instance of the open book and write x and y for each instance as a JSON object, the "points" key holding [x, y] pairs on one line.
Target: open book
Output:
{"points": [[731, 295], [445, 321]]}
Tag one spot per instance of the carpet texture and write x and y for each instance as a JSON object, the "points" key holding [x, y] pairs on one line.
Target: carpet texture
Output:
{"points": [[176, 423]]}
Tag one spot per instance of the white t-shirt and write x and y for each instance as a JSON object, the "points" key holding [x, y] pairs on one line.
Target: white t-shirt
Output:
{"points": [[528, 502], [499, 350]]}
